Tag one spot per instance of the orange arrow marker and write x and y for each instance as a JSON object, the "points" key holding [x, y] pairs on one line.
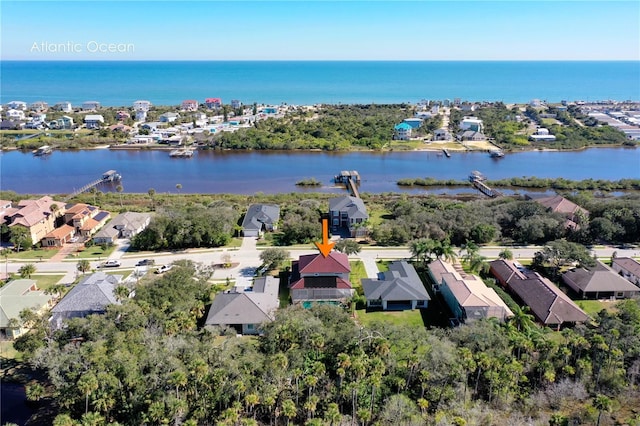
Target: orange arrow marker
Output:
{"points": [[325, 246]]}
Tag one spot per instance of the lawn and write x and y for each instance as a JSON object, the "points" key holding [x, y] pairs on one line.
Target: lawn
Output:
{"points": [[7, 352], [46, 281], [406, 318], [92, 252], [592, 307], [30, 254], [357, 273], [383, 265]]}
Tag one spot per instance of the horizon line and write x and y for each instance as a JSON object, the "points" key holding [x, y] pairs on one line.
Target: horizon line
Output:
{"points": [[314, 60]]}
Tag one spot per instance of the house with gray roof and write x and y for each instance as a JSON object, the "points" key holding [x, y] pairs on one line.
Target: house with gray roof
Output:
{"points": [[599, 282], [260, 218], [628, 268], [400, 289], [546, 301], [348, 213], [125, 225], [246, 310], [15, 296], [90, 296]]}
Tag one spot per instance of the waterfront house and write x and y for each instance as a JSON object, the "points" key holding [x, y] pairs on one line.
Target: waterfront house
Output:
{"points": [[15, 114], [16, 296], [120, 127], [542, 135], [142, 105], [573, 213], [190, 105], [547, 302], [213, 103], [471, 135], [90, 296], [260, 218], [17, 105], [122, 115], [467, 296], [63, 106], [152, 126], [90, 105], [9, 125], [599, 282], [39, 106], [471, 123], [401, 288], [125, 225], [402, 132], [141, 140], [93, 121], [348, 213], [37, 216], [63, 123], [442, 135], [168, 117], [315, 278], [59, 237], [245, 310], [627, 267], [415, 122]]}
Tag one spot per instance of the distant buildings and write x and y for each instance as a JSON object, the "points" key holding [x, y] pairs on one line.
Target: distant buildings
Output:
{"points": [[90, 105], [190, 105], [402, 132], [213, 103]]}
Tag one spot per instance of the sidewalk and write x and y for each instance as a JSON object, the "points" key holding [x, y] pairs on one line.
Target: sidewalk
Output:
{"points": [[65, 251]]}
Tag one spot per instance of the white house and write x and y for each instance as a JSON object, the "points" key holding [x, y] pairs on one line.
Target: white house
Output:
{"points": [[142, 105], [442, 135], [471, 123], [39, 106], [17, 105], [15, 114], [93, 121], [90, 105], [63, 106], [190, 105], [168, 117], [141, 115], [542, 135]]}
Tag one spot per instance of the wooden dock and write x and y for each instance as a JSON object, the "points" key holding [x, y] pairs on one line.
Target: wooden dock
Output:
{"points": [[351, 178], [477, 180], [107, 177]]}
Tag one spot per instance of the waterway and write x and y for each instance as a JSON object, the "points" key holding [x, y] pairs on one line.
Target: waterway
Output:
{"points": [[277, 172]]}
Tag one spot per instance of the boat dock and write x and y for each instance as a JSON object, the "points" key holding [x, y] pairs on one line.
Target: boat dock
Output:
{"points": [[107, 177], [351, 179], [446, 152], [477, 179]]}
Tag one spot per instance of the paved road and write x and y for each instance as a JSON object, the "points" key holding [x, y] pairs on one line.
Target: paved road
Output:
{"points": [[247, 259]]}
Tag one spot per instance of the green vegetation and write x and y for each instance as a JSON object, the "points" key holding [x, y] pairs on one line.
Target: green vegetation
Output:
{"points": [[408, 318], [100, 251], [357, 273], [535, 182], [45, 282], [309, 182]]}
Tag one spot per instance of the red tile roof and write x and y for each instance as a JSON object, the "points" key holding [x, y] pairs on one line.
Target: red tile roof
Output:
{"points": [[317, 263]]}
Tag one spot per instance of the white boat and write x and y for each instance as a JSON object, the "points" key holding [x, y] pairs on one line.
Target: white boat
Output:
{"points": [[496, 153], [181, 153], [43, 150]]}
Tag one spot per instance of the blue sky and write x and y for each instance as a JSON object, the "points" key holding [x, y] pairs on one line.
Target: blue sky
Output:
{"points": [[322, 30]]}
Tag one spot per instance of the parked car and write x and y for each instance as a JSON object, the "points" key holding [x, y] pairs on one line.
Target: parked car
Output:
{"points": [[163, 269], [146, 262], [111, 264]]}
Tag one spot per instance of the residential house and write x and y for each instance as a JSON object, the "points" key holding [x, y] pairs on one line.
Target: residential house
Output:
{"points": [[466, 295], [570, 210], [190, 105], [550, 305], [39, 106], [542, 135], [63, 123], [424, 115], [442, 135], [126, 225], [37, 216], [93, 121], [141, 116], [260, 218], [122, 115], [59, 236], [90, 296], [415, 122], [402, 132], [17, 105], [599, 282], [246, 310], [213, 103], [9, 125], [15, 114], [401, 288], [5, 205], [348, 213], [90, 105], [471, 123], [235, 103], [120, 127], [16, 296], [168, 117], [628, 268], [142, 105], [269, 110], [318, 279], [63, 106], [152, 126], [471, 135]]}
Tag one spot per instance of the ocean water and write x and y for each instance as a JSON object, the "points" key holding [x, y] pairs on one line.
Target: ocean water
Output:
{"points": [[308, 82]]}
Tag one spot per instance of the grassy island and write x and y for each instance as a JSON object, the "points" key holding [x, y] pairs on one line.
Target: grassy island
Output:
{"points": [[309, 182]]}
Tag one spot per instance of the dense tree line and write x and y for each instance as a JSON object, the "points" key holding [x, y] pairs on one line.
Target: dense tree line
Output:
{"points": [[334, 128], [146, 362], [193, 226]]}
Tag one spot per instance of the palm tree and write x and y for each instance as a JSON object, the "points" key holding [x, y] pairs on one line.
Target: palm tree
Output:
{"points": [[83, 266], [56, 290], [121, 293], [445, 251], [34, 391], [289, 409], [602, 403], [506, 254], [119, 189], [87, 384], [332, 415], [27, 270]]}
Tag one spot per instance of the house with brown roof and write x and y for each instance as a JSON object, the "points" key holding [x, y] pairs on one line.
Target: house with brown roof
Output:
{"points": [[37, 216], [550, 305], [570, 210], [85, 219], [599, 282], [628, 267], [315, 278], [59, 236], [16, 296], [467, 296]]}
